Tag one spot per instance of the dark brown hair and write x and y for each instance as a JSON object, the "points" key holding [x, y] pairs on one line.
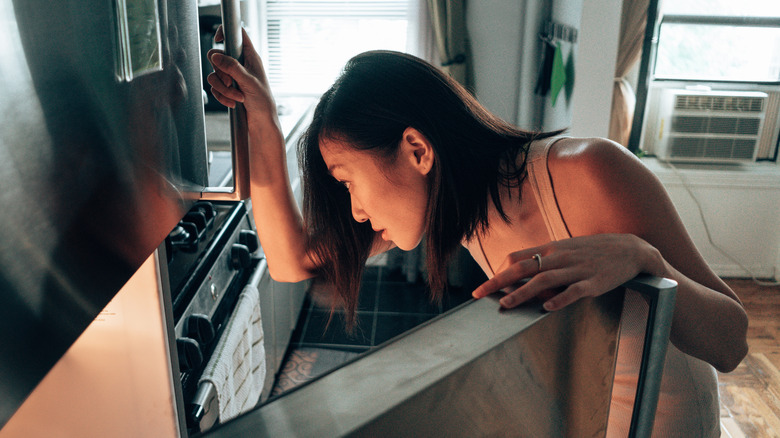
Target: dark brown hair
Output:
{"points": [[378, 95]]}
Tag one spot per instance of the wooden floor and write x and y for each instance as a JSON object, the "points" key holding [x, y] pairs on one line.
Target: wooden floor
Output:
{"points": [[750, 395]]}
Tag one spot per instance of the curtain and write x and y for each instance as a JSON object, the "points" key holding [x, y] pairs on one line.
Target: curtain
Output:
{"points": [[632, 32], [449, 26]]}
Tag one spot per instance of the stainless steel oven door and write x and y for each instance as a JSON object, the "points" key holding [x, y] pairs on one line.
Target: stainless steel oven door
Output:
{"points": [[481, 371]]}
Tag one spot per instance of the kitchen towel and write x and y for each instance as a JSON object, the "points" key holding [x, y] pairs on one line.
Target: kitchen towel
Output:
{"points": [[237, 368]]}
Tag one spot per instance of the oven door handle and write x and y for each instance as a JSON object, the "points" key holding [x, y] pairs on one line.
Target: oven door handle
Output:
{"points": [[203, 411], [239, 141]]}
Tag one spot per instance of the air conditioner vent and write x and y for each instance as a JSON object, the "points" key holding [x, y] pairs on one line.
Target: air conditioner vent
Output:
{"points": [[716, 125], [720, 103], [698, 148], [709, 126]]}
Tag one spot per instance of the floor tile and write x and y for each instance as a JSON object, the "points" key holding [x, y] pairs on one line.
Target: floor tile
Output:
{"points": [[304, 364], [454, 297], [389, 326], [405, 298], [368, 296], [322, 329]]}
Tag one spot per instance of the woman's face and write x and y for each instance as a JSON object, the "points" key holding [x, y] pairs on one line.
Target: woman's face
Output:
{"points": [[392, 196]]}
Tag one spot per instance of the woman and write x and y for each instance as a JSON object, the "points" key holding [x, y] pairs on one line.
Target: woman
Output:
{"points": [[398, 151]]}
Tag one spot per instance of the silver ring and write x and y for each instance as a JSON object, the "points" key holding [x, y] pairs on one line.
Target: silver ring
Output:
{"points": [[538, 258]]}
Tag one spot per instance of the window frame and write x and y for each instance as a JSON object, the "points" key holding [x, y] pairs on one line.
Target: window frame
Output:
{"points": [[646, 72], [713, 20]]}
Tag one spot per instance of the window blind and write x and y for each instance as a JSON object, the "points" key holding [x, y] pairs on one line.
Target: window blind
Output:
{"points": [[309, 41]]}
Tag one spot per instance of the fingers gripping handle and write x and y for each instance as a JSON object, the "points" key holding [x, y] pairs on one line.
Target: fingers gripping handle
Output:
{"points": [[239, 141], [661, 293]]}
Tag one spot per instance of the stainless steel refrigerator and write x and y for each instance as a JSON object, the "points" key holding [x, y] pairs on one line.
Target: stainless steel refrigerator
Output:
{"points": [[101, 153]]}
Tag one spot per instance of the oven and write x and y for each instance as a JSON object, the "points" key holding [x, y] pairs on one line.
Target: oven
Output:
{"points": [[214, 265]]}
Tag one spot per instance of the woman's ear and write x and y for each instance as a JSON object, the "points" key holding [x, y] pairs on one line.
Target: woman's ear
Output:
{"points": [[418, 150]]}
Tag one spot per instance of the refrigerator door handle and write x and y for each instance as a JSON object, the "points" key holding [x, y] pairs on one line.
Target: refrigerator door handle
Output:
{"points": [[239, 141]]}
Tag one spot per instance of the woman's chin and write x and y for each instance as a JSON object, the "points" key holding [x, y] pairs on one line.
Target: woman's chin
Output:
{"points": [[407, 246]]}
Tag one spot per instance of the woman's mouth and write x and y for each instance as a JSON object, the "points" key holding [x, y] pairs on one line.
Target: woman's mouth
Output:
{"points": [[383, 233]]}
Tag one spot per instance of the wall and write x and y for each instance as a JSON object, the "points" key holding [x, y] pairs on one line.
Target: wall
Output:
{"points": [[504, 47], [741, 207], [595, 68]]}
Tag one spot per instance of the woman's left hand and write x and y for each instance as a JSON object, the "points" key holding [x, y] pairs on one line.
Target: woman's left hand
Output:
{"points": [[570, 269]]}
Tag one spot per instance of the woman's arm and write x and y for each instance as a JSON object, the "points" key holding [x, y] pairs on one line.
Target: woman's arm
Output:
{"points": [[709, 320], [280, 225], [624, 224], [277, 217]]}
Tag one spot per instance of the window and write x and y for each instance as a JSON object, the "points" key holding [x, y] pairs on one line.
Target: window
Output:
{"points": [[719, 40], [307, 42], [710, 51]]}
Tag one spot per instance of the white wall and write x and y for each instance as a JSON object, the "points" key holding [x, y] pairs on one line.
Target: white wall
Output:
{"points": [[595, 68], [506, 49], [504, 43], [496, 38], [741, 207]]}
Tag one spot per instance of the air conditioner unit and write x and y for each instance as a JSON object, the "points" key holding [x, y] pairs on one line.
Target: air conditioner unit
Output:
{"points": [[709, 126]]}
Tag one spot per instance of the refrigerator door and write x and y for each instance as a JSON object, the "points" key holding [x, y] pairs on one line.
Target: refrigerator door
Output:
{"points": [[103, 150]]}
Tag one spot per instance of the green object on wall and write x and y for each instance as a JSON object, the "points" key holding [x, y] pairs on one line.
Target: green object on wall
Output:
{"points": [[558, 78], [570, 75]]}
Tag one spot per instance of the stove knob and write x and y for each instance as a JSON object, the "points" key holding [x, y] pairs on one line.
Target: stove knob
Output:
{"points": [[240, 257], [205, 207], [198, 219], [185, 236], [190, 356], [200, 328], [249, 239]]}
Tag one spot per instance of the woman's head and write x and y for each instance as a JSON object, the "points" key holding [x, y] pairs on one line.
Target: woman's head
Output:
{"points": [[369, 112], [390, 193]]}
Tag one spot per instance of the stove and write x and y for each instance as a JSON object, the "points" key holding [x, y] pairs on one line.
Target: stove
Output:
{"points": [[211, 255]]}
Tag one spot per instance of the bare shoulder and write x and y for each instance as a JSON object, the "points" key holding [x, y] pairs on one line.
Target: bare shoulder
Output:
{"points": [[598, 157], [602, 187]]}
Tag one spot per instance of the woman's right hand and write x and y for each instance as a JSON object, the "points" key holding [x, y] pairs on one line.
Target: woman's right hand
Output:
{"points": [[252, 88]]}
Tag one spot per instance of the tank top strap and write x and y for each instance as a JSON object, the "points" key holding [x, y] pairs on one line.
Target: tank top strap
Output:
{"points": [[541, 184]]}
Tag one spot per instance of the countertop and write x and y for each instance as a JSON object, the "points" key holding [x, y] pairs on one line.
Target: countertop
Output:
{"points": [[291, 109]]}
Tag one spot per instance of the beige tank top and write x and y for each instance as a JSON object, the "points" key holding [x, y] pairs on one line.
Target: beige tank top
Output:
{"points": [[688, 404]]}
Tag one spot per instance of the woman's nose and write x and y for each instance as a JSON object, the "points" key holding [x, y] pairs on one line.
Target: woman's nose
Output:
{"points": [[357, 210]]}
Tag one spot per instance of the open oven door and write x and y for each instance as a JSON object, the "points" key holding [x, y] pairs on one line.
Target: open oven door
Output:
{"points": [[481, 371]]}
